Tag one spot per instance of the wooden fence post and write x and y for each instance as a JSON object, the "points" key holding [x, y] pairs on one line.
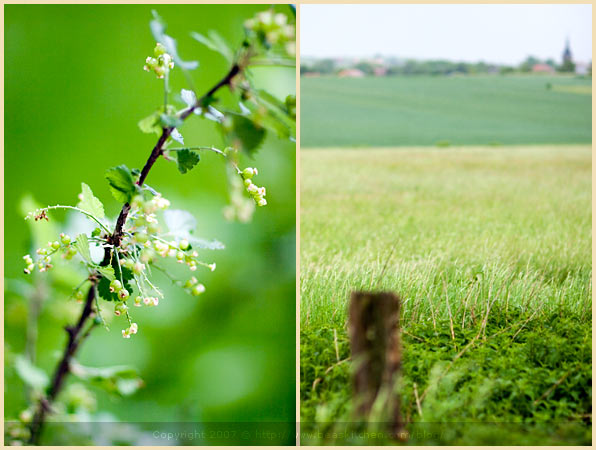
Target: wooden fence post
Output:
{"points": [[373, 326]]}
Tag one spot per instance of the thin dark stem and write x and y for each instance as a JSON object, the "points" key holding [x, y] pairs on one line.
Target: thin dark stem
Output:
{"points": [[75, 334], [75, 337]]}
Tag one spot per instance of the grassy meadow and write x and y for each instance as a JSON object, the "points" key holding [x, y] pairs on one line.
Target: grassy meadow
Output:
{"points": [[489, 249], [459, 110]]}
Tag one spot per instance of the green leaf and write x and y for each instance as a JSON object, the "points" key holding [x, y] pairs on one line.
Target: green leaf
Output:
{"points": [[31, 375], [177, 136], [167, 120], [103, 289], [216, 43], [181, 225], [151, 124], [245, 134], [82, 245], [90, 203], [41, 233], [279, 118], [158, 29], [121, 183], [127, 275], [107, 272], [121, 380], [179, 222], [187, 159], [272, 122], [188, 97], [203, 243], [113, 273]]}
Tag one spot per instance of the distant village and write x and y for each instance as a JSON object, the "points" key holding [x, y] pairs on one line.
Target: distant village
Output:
{"points": [[381, 66]]}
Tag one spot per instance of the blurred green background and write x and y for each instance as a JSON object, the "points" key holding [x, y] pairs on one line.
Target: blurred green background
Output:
{"points": [[74, 92]]}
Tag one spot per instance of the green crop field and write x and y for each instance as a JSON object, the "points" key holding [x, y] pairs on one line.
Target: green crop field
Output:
{"points": [[488, 247], [472, 110]]}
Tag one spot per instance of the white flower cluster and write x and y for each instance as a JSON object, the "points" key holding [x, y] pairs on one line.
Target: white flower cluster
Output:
{"points": [[161, 64], [132, 329], [273, 29]]}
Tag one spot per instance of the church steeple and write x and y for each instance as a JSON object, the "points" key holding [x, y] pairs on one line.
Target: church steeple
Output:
{"points": [[567, 57]]}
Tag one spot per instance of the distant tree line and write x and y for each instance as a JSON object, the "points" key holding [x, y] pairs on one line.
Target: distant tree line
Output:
{"points": [[330, 66]]}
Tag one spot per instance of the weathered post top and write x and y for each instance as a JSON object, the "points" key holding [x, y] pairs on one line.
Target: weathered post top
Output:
{"points": [[373, 326]]}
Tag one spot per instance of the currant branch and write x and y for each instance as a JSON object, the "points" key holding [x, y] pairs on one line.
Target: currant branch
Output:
{"points": [[157, 151], [74, 334]]}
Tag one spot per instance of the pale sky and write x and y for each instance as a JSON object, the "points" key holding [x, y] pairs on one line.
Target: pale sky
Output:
{"points": [[493, 33]]}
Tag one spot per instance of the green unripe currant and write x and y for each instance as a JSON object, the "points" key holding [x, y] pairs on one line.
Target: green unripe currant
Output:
{"points": [[123, 294], [291, 106], [159, 49], [247, 182], [190, 283], [180, 256], [147, 255], [55, 245], [115, 286], [183, 245], [120, 308], [138, 300], [138, 267], [141, 237], [152, 227], [248, 172], [159, 71]]}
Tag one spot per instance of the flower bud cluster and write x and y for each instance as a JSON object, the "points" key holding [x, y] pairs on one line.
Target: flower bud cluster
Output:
{"points": [[256, 192], [149, 301], [180, 251], [38, 214], [44, 261], [145, 220], [273, 29], [161, 63], [240, 207], [143, 235]]}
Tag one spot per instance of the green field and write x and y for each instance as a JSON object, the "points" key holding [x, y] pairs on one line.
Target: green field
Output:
{"points": [[473, 110], [488, 247]]}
